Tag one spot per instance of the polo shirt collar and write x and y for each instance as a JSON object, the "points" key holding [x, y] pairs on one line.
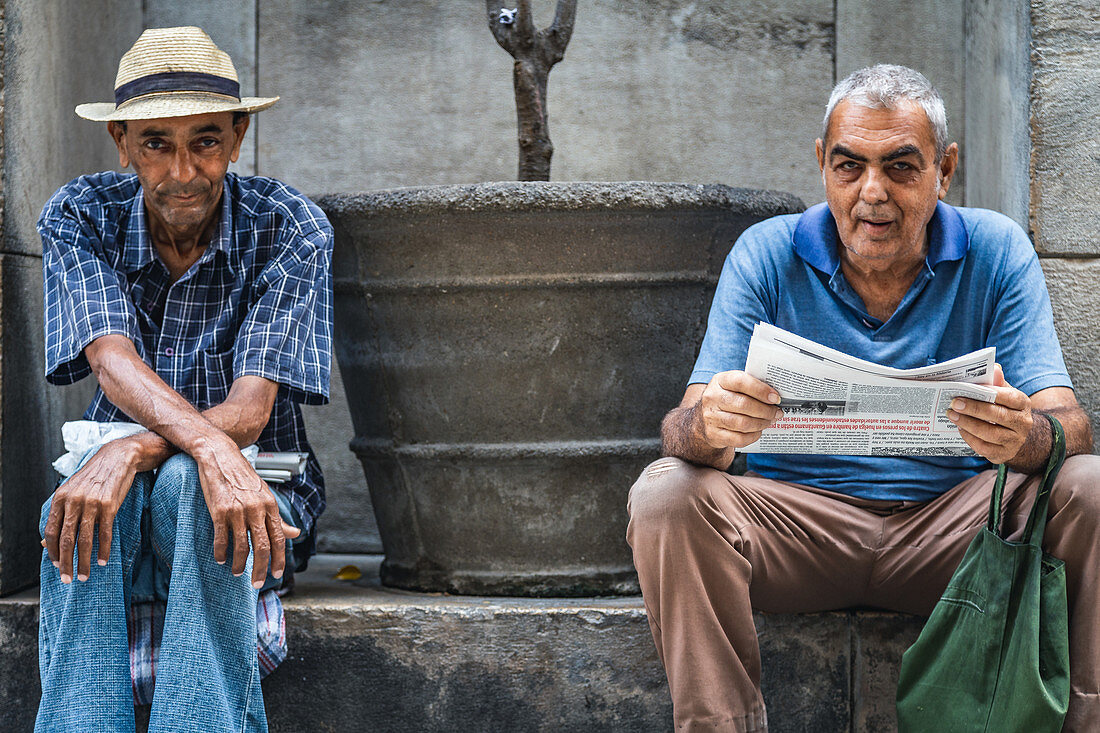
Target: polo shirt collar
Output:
{"points": [[816, 238], [138, 251]]}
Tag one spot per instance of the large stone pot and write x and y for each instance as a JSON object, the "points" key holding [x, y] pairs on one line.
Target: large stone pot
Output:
{"points": [[508, 351]]}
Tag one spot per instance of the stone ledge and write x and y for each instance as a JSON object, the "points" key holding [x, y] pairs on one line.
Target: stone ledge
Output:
{"points": [[363, 657]]}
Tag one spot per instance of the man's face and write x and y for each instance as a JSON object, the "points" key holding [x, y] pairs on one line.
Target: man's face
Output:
{"points": [[181, 163], [882, 182]]}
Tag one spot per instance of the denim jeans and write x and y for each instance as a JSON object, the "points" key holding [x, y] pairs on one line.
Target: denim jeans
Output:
{"points": [[207, 675]]}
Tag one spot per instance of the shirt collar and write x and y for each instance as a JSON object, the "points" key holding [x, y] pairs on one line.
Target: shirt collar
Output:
{"points": [[816, 239], [138, 250]]}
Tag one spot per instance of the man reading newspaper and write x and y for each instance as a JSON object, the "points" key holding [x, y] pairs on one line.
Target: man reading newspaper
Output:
{"points": [[887, 272]]}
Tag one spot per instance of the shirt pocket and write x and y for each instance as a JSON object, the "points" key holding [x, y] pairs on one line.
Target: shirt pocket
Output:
{"points": [[217, 375]]}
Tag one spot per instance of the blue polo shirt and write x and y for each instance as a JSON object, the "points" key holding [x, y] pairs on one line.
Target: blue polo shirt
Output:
{"points": [[981, 286]]}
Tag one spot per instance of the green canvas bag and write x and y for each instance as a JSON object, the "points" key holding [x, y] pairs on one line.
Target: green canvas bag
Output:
{"points": [[994, 654]]}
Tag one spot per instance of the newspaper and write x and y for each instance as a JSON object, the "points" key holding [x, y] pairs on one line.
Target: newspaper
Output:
{"points": [[837, 404]]}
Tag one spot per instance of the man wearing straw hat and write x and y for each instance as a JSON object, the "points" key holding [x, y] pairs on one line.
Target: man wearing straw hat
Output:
{"points": [[201, 302]]}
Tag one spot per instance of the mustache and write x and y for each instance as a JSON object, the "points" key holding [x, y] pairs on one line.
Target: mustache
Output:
{"points": [[873, 215], [172, 190]]}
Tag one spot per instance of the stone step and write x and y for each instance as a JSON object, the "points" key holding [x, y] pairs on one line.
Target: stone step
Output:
{"points": [[364, 657]]}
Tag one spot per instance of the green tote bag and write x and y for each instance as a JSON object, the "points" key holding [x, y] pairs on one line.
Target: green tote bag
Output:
{"points": [[994, 654]]}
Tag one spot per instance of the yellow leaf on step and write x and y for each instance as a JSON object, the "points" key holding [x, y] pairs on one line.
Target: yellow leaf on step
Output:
{"points": [[348, 572]]}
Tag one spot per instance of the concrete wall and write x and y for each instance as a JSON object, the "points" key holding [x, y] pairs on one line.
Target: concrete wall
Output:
{"points": [[997, 74], [720, 91], [56, 53]]}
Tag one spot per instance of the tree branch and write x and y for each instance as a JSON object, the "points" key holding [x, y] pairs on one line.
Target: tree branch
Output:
{"points": [[525, 19], [517, 38], [560, 31]]}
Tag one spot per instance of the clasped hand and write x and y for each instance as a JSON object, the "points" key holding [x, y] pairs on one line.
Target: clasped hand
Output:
{"points": [[239, 501]]}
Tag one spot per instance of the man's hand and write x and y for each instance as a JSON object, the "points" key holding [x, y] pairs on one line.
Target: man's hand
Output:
{"points": [[998, 430], [715, 419], [734, 409], [241, 505], [89, 497]]}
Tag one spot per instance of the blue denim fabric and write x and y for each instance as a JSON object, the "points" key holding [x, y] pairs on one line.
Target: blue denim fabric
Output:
{"points": [[207, 677]]}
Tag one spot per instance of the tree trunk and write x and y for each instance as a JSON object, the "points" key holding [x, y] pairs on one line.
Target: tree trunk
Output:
{"points": [[535, 148], [535, 53]]}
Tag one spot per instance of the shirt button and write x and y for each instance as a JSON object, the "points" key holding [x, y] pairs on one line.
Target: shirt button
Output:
{"points": [[169, 351]]}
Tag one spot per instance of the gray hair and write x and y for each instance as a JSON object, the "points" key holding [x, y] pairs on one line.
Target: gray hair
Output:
{"points": [[883, 86]]}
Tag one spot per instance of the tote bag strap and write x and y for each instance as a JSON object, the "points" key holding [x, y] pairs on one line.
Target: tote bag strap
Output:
{"points": [[1036, 521]]}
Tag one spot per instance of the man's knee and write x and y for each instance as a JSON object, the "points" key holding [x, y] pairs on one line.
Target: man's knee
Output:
{"points": [[44, 516], [177, 480], [672, 492], [1077, 489]]}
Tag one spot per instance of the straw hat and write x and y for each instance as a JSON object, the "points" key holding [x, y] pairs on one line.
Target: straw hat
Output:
{"points": [[173, 72]]}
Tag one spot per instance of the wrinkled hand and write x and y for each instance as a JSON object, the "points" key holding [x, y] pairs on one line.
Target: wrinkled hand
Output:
{"points": [[240, 505], [998, 430], [734, 409], [89, 497]]}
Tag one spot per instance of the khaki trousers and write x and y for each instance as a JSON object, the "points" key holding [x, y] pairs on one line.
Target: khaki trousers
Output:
{"points": [[710, 547]]}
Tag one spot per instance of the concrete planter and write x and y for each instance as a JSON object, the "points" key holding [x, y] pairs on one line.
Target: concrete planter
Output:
{"points": [[508, 350]]}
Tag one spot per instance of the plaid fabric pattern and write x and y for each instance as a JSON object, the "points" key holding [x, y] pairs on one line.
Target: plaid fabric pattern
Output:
{"points": [[145, 624], [270, 632], [144, 627], [257, 302]]}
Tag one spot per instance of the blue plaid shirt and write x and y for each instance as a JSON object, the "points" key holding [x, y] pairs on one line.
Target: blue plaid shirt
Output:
{"points": [[257, 302]]}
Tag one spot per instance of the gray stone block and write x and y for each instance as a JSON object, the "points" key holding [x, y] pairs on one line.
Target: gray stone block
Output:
{"points": [[58, 54], [1065, 129], [367, 658], [806, 671], [19, 685], [1075, 300], [26, 440], [348, 524], [419, 663], [879, 641], [997, 153]]}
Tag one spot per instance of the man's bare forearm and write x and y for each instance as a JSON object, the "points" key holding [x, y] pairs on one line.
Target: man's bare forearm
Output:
{"points": [[1032, 457], [174, 423], [230, 417], [682, 438]]}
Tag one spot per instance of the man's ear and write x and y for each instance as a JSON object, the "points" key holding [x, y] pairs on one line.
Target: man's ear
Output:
{"points": [[820, 146], [240, 127], [948, 165], [118, 134]]}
